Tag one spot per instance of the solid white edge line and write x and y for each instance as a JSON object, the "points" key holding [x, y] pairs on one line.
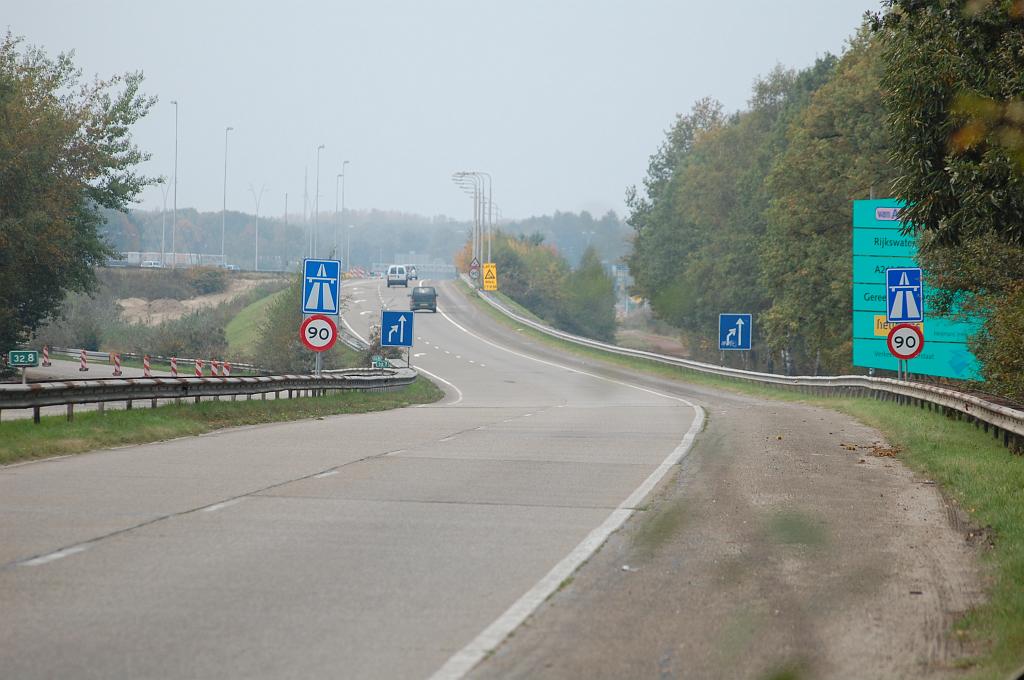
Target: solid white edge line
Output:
{"points": [[463, 661], [220, 506], [449, 384], [54, 556]]}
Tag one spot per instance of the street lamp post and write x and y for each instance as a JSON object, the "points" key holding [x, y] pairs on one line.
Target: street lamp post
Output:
{"points": [[348, 247], [257, 198], [348, 267], [174, 217], [224, 207], [316, 218], [163, 226]]}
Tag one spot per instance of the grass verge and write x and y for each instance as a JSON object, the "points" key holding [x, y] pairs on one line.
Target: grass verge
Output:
{"points": [[975, 472], [54, 436], [243, 330]]}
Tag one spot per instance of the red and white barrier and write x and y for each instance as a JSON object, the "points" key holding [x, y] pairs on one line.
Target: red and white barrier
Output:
{"points": [[199, 368], [174, 367], [145, 367], [83, 361], [227, 369], [213, 368], [46, 355], [117, 362]]}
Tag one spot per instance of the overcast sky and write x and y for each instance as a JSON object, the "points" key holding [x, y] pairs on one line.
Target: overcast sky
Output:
{"points": [[562, 101]]}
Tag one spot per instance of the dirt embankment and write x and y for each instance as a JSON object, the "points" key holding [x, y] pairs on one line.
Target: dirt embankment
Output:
{"points": [[153, 312]]}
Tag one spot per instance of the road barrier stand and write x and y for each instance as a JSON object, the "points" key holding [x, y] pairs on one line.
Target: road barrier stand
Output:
{"points": [[117, 363], [46, 355], [145, 367], [214, 368], [174, 367], [227, 369], [199, 368], [83, 361]]}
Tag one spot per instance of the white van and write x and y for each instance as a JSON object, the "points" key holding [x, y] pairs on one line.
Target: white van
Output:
{"points": [[151, 264], [398, 276]]}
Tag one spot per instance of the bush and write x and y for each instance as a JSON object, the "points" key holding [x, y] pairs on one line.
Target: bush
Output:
{"points": [[279, 348]]}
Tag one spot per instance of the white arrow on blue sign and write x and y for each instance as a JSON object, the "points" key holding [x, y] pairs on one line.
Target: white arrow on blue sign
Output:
{"points": [[396, 329], [904, 297], [321, 284], [734, 331]]}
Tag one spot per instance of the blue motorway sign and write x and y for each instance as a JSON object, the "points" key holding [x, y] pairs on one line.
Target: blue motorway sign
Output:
{"points": [[734, 331], [904, 295], [321, 287], [396, 329]]}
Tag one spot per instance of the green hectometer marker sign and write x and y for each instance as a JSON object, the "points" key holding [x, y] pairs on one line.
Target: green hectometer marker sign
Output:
{"points": [[23, 358]]}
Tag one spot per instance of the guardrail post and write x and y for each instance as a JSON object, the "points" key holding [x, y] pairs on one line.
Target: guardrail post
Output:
{"points": [[128, 405], [71, 412], [101, 406], [153, 403], [35, 415]]}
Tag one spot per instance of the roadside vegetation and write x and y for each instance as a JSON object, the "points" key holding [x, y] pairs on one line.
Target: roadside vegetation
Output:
{"points": [[94, 321], [54, 436], [278, 347], [751, 210], [537, 276], [243, 331], [974, 470]]}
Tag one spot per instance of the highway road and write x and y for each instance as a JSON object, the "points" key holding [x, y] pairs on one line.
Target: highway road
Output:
{"points": [[409, 543], [386, 545]]}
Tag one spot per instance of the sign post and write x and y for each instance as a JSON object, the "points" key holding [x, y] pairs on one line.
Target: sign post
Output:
{"points": [[318, 333], [490, 276], [735, 331], [396, 330], [905, 341], [23, 359]]}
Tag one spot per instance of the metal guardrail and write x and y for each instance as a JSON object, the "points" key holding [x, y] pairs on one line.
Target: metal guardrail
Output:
{"points": [[71, 392], [1006, 423]]}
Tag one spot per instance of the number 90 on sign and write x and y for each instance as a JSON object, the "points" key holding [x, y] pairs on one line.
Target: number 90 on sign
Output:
{"points": [[905, 341], [318, 333]]}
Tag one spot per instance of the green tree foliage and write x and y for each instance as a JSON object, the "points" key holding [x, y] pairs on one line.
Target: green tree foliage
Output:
{"points": [[954, 86], [588, 301], [279, 348], [837, 151], [954, 83], [535, 275], [65, 154], [700, 222]]}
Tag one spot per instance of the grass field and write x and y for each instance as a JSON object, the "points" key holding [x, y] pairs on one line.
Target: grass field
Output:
{"points": [[54, 436], [974, 470], [243, 331]]}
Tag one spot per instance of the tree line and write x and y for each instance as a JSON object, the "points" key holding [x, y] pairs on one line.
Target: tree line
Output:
{"points": [[751, 211]]}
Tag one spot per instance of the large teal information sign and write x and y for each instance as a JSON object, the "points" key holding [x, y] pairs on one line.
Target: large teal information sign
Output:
{"points": [[878, 245]]}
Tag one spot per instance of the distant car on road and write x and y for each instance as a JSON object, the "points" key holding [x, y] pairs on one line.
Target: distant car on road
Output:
{"points": [[151, 264], [412, 273], [423, 297], [232, 267], [398, 276]]}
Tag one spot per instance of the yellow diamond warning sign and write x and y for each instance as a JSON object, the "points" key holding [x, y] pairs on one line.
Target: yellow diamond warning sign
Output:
{"points": [[490, 276]]}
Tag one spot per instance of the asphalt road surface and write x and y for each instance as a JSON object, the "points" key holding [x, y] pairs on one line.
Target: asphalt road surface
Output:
{"points": [[409, 543]]}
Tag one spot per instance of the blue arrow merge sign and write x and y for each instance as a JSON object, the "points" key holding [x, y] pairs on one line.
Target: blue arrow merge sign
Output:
{"points": [[396, 329], [904, 298], [321, 284], [734, 331]]}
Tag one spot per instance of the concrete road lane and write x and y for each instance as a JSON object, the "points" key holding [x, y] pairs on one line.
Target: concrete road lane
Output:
{"points": [[375, 545]]}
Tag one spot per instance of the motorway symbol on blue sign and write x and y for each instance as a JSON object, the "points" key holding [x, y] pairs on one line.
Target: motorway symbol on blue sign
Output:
{"points": [[734, 331], [903, 295], [321, 283], [396, 329]]}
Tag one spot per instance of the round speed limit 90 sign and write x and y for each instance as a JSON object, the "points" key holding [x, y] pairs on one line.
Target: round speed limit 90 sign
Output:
{"points": [[318, 333], [905, 341]]}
